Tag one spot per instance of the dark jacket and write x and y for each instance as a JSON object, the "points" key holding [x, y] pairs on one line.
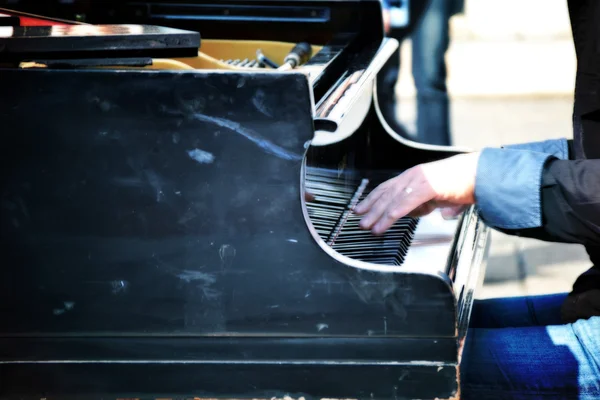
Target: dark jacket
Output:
{"points": [[571, 188]]}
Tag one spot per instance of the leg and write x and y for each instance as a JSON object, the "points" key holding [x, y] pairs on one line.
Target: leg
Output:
{"points": [[430, 42], [515, 312], [537, 362]]}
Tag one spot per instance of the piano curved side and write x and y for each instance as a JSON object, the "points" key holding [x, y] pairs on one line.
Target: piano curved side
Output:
{"points": [[135, 223]]}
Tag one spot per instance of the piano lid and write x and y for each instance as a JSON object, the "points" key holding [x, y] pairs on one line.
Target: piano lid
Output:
{"points": [[314, 21], [19, 43], [188, 7]]}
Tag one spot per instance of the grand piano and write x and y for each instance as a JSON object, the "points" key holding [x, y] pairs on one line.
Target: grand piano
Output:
{"points": [[176, 203]]}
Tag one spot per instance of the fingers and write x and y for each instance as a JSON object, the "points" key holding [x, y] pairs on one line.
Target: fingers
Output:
{"points": [[386, 220], [404, 204], [422, 210], [393, 200], [450, 182], [365, 205], [378, 210], [453, 212]]}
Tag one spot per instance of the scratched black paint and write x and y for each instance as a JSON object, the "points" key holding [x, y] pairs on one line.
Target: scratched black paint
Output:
{"points": [[154, 221], [110, 227], [207, 230]]}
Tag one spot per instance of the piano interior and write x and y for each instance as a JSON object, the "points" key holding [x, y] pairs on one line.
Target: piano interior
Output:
{"points": [[214, 54], [180, 208]]}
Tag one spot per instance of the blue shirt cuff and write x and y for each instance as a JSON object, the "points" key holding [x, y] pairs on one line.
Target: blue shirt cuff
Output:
{"points": [[558, 148], [508, 187]]}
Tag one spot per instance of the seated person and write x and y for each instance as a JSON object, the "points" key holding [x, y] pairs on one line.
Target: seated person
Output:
{"points": [[545, 347]]}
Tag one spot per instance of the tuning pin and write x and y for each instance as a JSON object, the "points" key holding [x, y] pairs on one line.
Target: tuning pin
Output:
{"points": [[264, 60]]}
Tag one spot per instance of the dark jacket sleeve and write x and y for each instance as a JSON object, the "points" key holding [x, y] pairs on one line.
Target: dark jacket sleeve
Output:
{"points": [[571, 201], [571, 214]]}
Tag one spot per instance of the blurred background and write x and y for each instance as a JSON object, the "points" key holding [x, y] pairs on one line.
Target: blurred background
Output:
{"points": [[510, 79]]}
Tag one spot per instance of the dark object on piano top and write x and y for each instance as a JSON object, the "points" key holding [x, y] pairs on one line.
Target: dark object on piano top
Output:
{"points": [[299, 54], [96, 41]]}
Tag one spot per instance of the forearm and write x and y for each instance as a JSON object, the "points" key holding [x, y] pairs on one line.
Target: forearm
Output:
{"points": [[533, 193]]}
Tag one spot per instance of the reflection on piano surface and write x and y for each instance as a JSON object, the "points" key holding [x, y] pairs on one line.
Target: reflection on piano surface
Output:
{"points": [[177, 224]]}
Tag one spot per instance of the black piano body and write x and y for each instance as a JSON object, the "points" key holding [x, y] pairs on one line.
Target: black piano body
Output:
{"points": [[157, 238]]}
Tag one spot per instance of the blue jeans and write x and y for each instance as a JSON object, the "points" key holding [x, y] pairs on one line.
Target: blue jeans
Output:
{"points": [[517, 348], [430, 41]]}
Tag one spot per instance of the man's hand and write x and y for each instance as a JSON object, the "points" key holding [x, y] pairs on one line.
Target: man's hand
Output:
{"points": [[448, 183]]}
